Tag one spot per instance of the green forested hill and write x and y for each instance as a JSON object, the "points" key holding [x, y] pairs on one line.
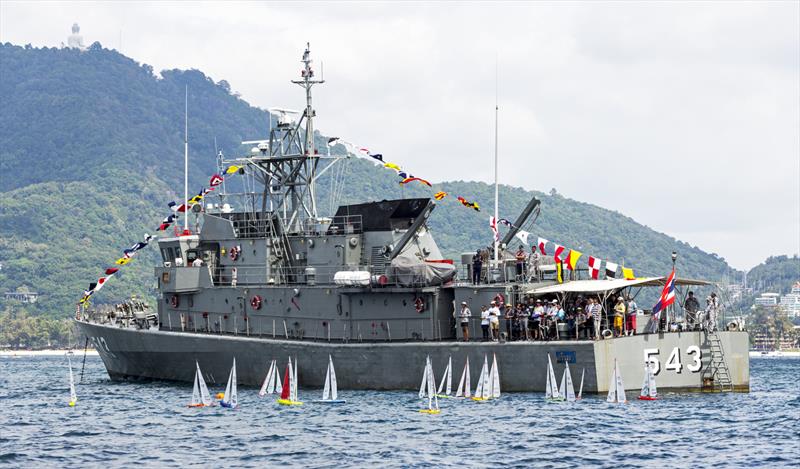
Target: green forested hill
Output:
{"points": [[91, 150]]}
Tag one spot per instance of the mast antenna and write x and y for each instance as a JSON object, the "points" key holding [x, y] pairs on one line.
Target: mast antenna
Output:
{"points": [[496, 186], [186, 157]]}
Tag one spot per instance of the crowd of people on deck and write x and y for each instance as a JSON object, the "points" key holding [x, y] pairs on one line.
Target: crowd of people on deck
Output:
{"points": [[585, 317]]}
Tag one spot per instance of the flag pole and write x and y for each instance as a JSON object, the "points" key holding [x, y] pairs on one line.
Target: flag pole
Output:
{"points": [[496, 191], [186, 157]]}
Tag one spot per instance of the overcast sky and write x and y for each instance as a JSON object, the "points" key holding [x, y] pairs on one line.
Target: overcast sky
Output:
{"points": [[684, 116]]}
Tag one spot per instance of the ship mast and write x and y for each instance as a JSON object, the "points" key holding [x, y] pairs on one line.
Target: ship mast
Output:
{"points": [[186, 157], [496, 186], [309, 151]]}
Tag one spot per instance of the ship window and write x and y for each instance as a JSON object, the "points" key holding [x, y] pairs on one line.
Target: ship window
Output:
{"points": [[165, 253], [177, 252]]}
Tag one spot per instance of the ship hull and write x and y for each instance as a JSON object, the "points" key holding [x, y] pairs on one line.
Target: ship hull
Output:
{"points": [[164, 355]]}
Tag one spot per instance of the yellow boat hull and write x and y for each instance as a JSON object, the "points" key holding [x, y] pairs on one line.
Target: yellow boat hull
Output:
{"points": [[289, 402], [429, 411]]}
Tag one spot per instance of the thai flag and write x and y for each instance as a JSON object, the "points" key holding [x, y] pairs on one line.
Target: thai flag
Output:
{"points": [[667, 294]]}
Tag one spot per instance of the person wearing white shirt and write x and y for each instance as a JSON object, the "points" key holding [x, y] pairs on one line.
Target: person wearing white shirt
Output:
{"points": [[485, 320], [463, 317], [494, 320]]}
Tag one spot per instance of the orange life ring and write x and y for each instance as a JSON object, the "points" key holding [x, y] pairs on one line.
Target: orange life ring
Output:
{"points": [[255, 302], [419, 304], [234, 253], [174, 301]]}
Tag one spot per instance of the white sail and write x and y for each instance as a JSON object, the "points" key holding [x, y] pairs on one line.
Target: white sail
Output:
{"points": [[612, 388], [616, 390], [481, 380], [326, 391], [291, 380], [278, 385], [485, 390], [205, 396], [448, 378], [570, 389], [620, 387], [433, 401], [551, 392], [495, 378], [562, 389], [196, 390], [646, 382], [460, 389], [466, 383], [269, 382], [423, 387], [334, 386], [231, 398], [73, 396], [580, 390], [293, 389], [652, 383], [463, 383], [234, 400], [649, 383]]}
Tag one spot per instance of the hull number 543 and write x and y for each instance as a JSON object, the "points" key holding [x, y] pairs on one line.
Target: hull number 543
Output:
{"points": [[674, 362]]}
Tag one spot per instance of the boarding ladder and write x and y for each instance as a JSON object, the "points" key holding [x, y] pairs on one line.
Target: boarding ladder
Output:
{"points": [[282, 248], [717, 373]]}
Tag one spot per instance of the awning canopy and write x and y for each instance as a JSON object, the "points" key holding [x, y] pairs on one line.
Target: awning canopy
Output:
{"points": [[600, 286]]}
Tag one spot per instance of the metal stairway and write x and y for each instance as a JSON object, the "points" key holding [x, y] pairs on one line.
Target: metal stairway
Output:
{"points": [[716, 374]]}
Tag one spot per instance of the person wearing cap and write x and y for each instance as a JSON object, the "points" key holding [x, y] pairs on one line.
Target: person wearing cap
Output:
{"points": [[619, 313], [485, 322], [477, 266], [463, 317], [494, 321], [691, 306], [630, 317]]}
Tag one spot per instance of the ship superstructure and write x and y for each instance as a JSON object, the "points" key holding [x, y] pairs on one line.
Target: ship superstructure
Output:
{"points": [[262, 275]]}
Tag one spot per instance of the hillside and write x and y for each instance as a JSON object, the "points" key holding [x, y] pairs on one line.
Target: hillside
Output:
{"points": [[91, 151]]}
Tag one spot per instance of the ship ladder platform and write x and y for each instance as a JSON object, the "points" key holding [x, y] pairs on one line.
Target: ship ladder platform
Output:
{"points": [[716, 376]]}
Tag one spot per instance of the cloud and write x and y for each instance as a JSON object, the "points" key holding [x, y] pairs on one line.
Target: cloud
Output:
{"points": [[684, 116]]}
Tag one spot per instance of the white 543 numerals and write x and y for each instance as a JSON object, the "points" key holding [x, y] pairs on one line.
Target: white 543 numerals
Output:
{"points": [[674, 360]]}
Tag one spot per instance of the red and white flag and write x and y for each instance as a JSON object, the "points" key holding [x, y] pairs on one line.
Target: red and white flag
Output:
{"points": [[216, 180], [542, 243], [594, 267], [559, 250], [667, 294], [493, 226]]}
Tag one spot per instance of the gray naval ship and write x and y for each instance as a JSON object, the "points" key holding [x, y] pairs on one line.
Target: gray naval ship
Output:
{"points": [[262, 276]]}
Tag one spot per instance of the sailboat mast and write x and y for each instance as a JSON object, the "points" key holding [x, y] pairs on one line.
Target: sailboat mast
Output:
{"points": [[186, 157], [496, 187]]}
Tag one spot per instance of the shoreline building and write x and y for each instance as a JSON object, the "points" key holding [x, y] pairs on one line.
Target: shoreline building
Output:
{"points": [[790, 302], [769, 300]]}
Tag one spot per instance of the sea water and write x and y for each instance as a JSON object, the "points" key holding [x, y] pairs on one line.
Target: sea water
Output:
{"points": [[148, 424]]}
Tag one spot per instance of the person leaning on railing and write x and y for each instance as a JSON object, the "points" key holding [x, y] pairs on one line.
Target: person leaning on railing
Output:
{"points": [[485, 323]]}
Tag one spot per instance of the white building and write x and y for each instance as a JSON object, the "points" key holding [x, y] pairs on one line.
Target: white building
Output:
{"points": [[768, 299], [791, 302]]}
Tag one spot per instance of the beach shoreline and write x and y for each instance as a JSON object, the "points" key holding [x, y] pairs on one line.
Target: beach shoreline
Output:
{"points": [[43, 353]]}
